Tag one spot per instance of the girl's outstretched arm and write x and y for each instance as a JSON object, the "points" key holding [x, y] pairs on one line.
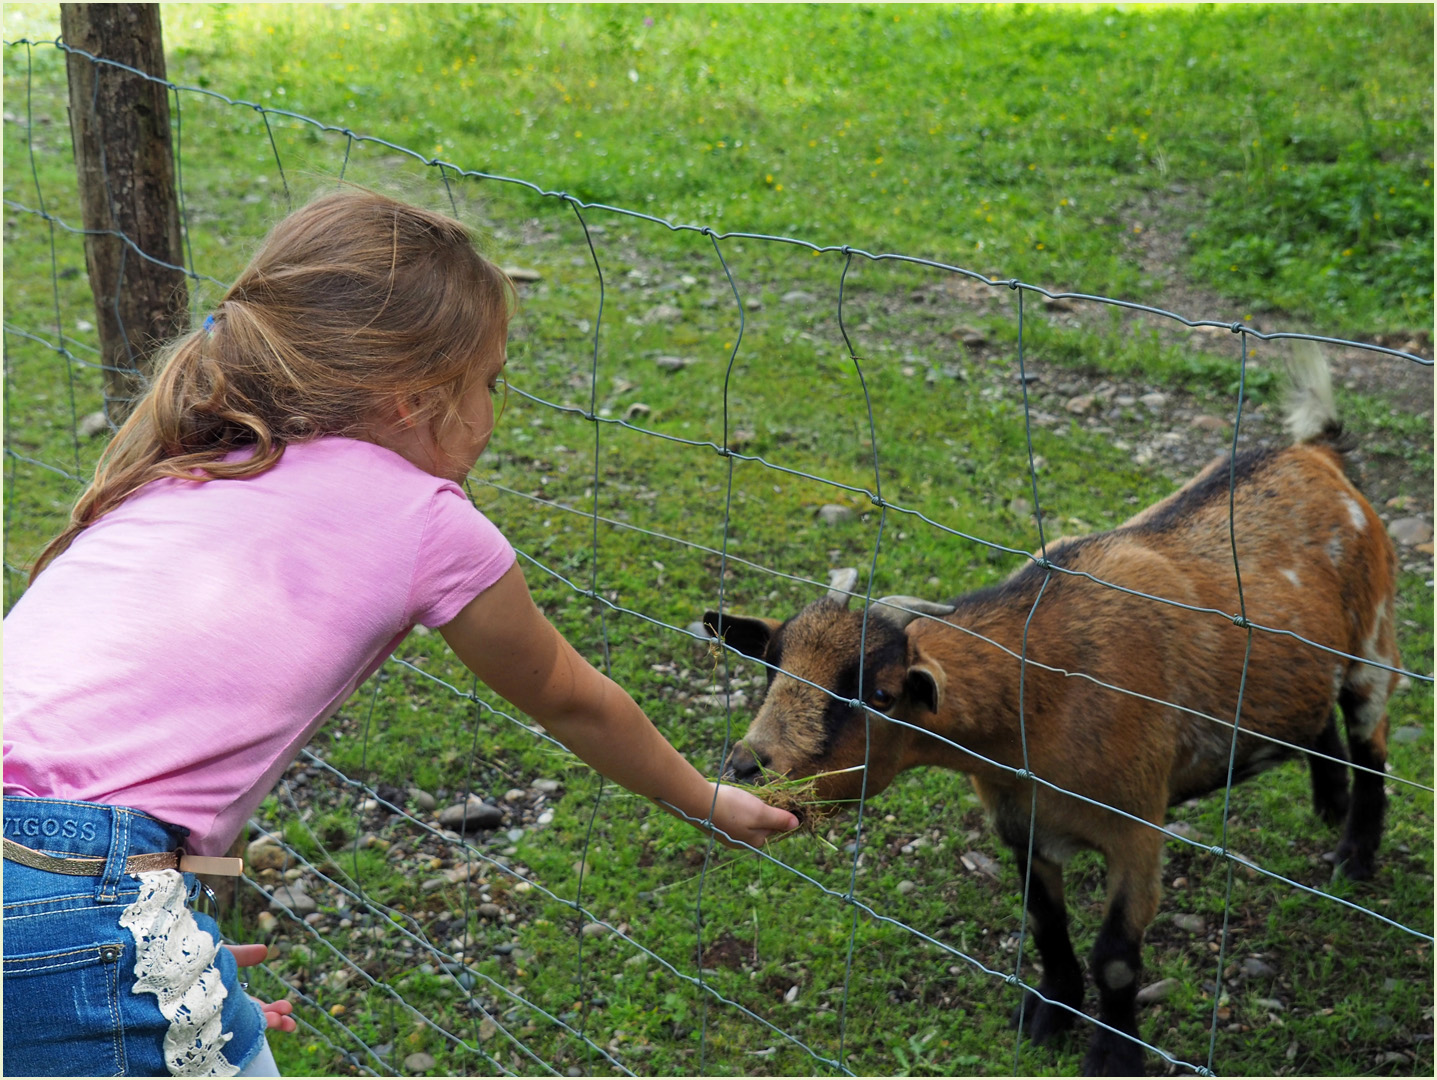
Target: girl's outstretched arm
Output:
{"points": [[504, 639]]}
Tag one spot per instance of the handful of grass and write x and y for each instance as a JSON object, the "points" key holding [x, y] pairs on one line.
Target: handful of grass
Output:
{"points": [[798, 797]]}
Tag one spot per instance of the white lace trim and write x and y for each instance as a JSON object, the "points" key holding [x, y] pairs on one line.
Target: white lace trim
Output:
{"points": [[175, 962]]}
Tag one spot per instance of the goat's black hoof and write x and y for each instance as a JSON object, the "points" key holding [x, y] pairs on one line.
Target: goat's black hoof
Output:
{"points": [[1042, 1020], [1353, 864], [1113, 1055]]}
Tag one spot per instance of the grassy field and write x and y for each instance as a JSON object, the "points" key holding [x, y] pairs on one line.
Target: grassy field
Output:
{"points": [[1267, 166]]}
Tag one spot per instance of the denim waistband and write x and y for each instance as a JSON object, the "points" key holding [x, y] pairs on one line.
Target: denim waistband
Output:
{"points": [[70, 828]]}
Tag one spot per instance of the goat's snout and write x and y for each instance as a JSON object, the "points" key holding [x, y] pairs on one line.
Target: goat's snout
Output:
{"points": [[744, 765]]}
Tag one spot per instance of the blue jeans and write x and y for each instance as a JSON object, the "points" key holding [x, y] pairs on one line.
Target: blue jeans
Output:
{"points": [[113, 975]]}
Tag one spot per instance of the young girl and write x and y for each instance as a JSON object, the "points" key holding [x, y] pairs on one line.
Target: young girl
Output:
{"points": [[281, 509]]}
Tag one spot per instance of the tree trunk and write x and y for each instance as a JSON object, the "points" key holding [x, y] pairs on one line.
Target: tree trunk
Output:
{"points": [[120, 125]]}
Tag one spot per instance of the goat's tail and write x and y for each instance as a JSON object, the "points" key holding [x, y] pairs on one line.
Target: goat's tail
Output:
{"points": [[1310, 415]]}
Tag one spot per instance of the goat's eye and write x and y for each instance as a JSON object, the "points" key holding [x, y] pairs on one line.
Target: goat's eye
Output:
{"points": [[881, 700]]}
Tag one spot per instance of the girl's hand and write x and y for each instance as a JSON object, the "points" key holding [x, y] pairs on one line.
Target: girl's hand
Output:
{"points": [[276, 1013], [746, 817]]}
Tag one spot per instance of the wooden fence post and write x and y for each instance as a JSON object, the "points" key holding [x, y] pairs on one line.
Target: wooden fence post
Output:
{"points": [[120, 125]]}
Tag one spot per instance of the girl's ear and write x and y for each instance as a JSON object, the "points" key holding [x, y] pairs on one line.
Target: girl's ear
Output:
{"points": [[404, 409]]}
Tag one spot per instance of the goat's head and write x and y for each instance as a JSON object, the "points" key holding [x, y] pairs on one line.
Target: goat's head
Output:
{"points": [[808, 723]]}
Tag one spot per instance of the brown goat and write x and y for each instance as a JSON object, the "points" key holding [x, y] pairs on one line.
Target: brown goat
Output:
{"points": [[1315, 560]]}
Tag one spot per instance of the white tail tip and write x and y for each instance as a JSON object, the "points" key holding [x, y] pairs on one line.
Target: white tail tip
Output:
{"points": [[1309, 407]]}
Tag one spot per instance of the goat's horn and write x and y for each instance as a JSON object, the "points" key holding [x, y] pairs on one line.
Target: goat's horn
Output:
{"points": [[840, 584], [902, 610]]}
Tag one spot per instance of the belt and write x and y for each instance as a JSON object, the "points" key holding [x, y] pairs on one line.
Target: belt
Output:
{"points": [[135, 864]]}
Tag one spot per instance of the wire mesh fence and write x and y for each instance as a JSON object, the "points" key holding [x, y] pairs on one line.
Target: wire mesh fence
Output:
{"points": [[711, 415]]}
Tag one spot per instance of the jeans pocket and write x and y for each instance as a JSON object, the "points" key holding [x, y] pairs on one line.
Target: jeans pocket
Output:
{"points": [[62, 1012]]}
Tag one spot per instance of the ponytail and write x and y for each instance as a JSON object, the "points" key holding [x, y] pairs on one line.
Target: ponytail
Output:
{"points": [[352, 303]]}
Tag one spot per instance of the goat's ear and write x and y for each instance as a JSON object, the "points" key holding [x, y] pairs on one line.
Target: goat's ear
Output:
{"points": [[749, 636], [925, 682]]}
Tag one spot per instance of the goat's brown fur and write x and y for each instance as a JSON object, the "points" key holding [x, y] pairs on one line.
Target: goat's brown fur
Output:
{"points": [[1315, 561]]}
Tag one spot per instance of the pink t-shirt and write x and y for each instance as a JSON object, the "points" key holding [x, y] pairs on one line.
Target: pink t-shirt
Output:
{"points": [[182, 651]]}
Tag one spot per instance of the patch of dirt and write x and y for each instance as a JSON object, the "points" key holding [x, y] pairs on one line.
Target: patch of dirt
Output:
{"points": [[1161, 252], [728, 951]]}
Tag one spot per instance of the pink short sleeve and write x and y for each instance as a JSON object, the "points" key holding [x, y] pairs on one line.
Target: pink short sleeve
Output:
{"points": [[460, 555]]}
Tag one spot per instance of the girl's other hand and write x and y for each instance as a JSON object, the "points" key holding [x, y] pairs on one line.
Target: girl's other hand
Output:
{"points": [[276, 1013], [744, 816]]}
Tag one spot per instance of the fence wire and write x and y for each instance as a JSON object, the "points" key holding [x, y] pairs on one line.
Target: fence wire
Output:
{"points": [[374, 982]]}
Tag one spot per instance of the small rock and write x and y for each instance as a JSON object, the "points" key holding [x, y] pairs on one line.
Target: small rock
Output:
{"points": [[969, 336], [672, 363], [314, 918], [978, 863], [1081, 404], [791, 995], [94, 424], [265, 854], [663, 313], [1154, 400], [832, 514], [514, 794], [594, 929], [1125, 401], [1209, 423], [1254, 968], [434, 883], [418, 1063], [266, 922], [1194, 924], [1158, 991], [487, 1029], [293, 898], [516, 835], [906, 887], [423, 799], [1270, 1004], [798, 296], [473, 814], [490, 911], [547, 787], [522, 274], [1410, 530], [638, 408], [1020, 507], [544, 818]]}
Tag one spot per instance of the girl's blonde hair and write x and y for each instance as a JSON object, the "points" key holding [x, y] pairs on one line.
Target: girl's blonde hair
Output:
{"points": [[353, 304]]}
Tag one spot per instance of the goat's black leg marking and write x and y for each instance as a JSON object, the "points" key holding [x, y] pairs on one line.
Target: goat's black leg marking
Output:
{"points": [[1062, 974], [1116, 964], [1329, 778], [1357, 853]]}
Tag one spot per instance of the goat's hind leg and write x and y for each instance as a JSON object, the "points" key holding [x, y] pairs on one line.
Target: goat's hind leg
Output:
{"points": [[1134, 885], [1329, 774], [1062, 982], [1364, 709]]}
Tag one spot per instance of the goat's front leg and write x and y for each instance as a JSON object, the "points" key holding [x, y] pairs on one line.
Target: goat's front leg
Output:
{"points": [[1134, 885], [1062, 982]]}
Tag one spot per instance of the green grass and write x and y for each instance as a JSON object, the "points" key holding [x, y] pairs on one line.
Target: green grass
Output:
{"points": [[1046, 144]]}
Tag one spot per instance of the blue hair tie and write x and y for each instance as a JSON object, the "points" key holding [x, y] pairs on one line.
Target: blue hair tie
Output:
{"points": [[209, 324]]}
